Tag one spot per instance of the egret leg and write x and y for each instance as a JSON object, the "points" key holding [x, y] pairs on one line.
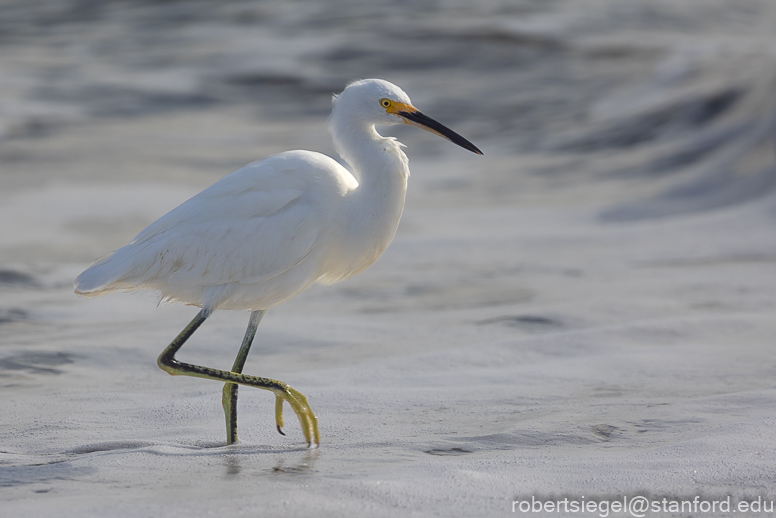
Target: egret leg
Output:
{"points": [[298, 402], [229, 398]]}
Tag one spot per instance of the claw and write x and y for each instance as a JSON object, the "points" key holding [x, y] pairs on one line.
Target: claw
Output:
{"points": [[302, 409], [280, 431], [279, 412]]}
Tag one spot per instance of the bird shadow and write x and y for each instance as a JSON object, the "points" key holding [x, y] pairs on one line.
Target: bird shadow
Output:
{"points": [[235, 463]]}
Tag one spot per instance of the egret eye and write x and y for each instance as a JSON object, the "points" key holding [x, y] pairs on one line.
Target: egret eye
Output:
{"points": [[385, 103]]}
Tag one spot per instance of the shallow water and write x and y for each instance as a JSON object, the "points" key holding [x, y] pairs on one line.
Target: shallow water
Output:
{"points": [[588, 309]]}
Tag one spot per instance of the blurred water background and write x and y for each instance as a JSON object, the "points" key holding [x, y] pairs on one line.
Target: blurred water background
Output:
{"points": [[615, 242], [671, 101]]}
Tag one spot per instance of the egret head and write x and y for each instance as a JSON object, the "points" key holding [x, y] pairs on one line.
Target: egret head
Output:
{"points": [[377, 101]]}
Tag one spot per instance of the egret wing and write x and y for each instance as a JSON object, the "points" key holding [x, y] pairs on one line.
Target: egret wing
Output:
{"points": [[232, 234], [253, 224]]}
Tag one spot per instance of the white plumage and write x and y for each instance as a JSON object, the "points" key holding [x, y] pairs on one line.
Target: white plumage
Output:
{"points": [[270, 230], [251, 241]]}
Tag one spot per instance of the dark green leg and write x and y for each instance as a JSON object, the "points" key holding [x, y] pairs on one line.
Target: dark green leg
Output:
{"points": [[282, 391], [229, 398]]}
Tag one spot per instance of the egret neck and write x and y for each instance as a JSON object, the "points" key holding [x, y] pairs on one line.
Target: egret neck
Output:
{"points": [[370, 212]]}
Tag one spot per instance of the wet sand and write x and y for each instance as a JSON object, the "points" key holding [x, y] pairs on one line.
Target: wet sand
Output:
{"points": [[587, 310]]}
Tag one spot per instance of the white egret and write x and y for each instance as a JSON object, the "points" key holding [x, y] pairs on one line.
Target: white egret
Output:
{"points": [[270, 230]]}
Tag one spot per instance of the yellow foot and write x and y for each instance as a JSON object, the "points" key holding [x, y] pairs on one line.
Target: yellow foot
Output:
{"points": [[301, 407]]}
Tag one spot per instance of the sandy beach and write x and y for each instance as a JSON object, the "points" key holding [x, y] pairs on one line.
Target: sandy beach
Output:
{"points": [[586, 312]]}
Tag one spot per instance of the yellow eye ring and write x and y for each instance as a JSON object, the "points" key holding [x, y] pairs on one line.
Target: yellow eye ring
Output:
{"points": [[385, 103]]}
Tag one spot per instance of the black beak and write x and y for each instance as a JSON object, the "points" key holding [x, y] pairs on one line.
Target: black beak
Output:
{"points": [[416, 118]]}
